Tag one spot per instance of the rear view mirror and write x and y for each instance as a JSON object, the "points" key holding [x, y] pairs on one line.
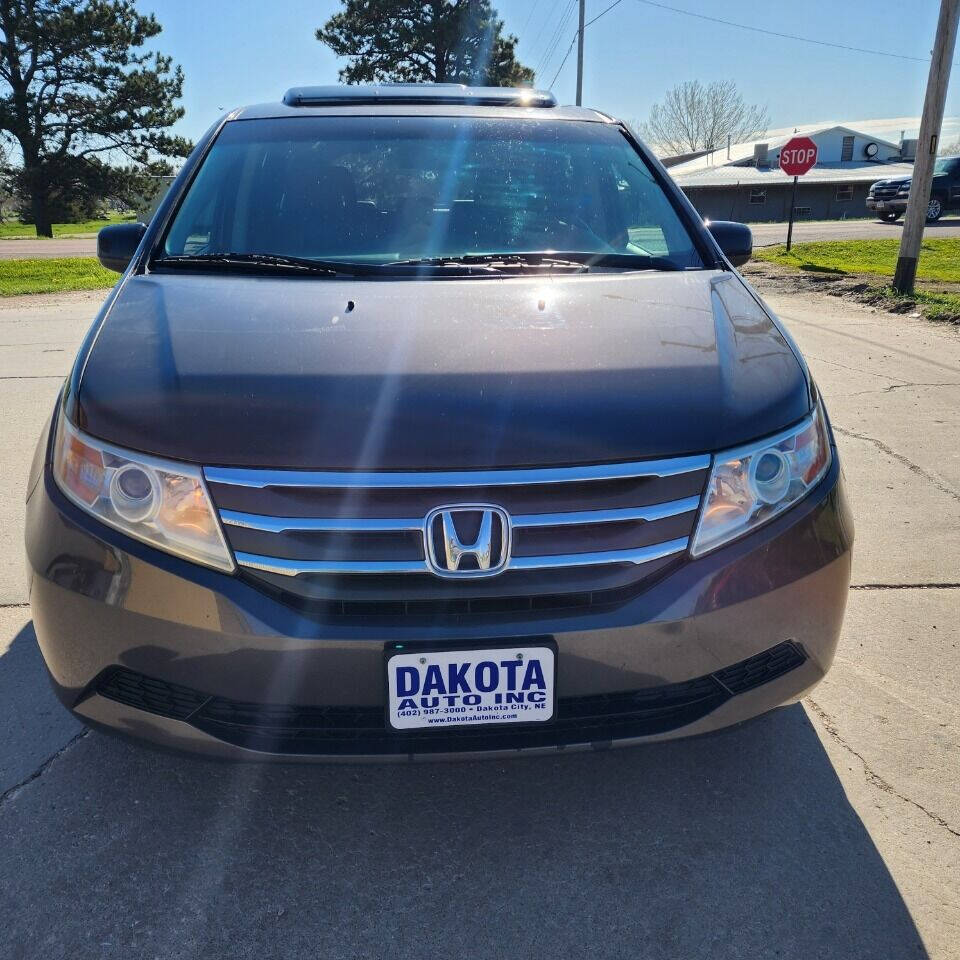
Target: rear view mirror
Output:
{"points": [[734, 239], [117, 244]]}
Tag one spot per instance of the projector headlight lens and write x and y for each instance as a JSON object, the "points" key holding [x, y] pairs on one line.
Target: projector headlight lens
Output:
{"points": [[751, 485], [162, 503]]}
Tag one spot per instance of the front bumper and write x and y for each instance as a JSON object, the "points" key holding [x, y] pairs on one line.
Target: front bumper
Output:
{"points": [[103, 602], [886, 206]]}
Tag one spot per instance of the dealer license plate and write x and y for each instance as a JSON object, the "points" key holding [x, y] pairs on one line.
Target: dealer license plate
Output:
{"points": [[450, 688], [881, 205]]}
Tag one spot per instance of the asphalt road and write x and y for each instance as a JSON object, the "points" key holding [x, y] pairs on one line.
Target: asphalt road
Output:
{"points": [[28, 248], [828, 829], [766, 234]]}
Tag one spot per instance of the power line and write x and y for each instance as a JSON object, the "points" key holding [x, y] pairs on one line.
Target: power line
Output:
{"points": [[739, 26], [574, 38], [782, 36], [558, 34], [533, 9], [552, 37], [555, 37], [603, 13], [563, 62], [543, 26]]}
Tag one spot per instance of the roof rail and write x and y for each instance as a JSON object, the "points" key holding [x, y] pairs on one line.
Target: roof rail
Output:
{"points": [[417, 93]]}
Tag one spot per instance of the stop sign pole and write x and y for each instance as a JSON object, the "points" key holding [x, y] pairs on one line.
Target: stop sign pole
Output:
{"points": [[797, 156]]}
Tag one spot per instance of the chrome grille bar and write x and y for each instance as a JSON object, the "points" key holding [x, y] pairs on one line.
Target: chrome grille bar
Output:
{"points": [[254, 521], [469, 478], [555, 527], [294, 568]]}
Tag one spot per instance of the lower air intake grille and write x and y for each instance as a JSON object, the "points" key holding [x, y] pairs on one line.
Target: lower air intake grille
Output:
{"points": [[598, 718]]}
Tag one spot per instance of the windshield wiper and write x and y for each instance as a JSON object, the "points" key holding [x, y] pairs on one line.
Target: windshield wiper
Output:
{"points": [[328, 268], [489, 259], [546, 258]]}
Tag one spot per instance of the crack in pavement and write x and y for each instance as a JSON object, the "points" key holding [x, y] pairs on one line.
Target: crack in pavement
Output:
{"points": [[51, 376], [900, 458], [12, 605], [11, 793], [844, 366], [905, 586], [872, 777], [900, 386]]}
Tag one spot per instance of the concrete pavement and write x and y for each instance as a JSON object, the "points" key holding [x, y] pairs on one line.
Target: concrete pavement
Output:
{"points": [[829, 829]]}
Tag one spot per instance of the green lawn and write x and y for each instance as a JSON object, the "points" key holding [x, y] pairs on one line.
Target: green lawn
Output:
{"points": [[939, 257], [54, 275], [16, 229]]}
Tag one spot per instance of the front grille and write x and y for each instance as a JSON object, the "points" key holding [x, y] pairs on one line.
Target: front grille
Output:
{"points": [[354, 543], [597, 718], [884, 193]]}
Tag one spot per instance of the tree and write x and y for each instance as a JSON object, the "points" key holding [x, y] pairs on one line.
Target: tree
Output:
{"points": [[410, 41], [694, 116], [77, 94]]}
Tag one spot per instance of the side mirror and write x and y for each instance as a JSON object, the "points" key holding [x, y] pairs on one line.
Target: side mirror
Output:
{"points": [[117, 244], [734, 239]]}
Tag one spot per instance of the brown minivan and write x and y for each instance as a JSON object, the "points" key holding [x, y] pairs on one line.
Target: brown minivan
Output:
{"points": [[432, 420]]}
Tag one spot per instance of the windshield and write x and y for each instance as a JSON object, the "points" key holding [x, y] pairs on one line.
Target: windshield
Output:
{"points": [[946, 165], [384, 189]]}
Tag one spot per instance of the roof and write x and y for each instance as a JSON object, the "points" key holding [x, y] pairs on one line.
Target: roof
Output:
{"points": [[772, 176], [717, 159]]}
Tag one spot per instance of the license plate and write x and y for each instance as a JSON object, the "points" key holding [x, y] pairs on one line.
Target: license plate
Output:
{"points": [[450, 688], [881, 205]]}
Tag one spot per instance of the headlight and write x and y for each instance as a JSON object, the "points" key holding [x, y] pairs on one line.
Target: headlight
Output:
{"points": [[751, 485], [162, 503], [904, 191]]}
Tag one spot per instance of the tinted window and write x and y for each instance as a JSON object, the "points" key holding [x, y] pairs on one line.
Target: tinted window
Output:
{"points": [[379, 189]]}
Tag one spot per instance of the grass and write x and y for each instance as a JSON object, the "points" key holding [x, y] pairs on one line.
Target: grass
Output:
{"points": [[16, 229], [936, 304], [939, 257], [53, 275], [863, 259]]}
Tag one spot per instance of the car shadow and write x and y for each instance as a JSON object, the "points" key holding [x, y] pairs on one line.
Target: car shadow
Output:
{"points": [[737, 844]]}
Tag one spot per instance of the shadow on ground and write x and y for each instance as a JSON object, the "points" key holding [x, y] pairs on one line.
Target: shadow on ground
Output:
{"points": [[741, 844]]}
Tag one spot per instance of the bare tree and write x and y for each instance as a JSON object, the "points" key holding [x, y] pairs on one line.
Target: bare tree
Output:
{"points": [[950, 149], [696, 116]]}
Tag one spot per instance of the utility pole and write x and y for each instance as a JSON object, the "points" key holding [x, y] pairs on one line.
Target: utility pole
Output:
{"points": [[583, 13], [916, 215]]}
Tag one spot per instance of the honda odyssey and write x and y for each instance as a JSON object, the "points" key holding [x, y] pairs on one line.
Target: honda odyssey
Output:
{"points": [[432, 420]]}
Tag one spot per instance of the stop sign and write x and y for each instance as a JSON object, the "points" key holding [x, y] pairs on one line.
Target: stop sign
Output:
{"points": [[797, 156]]}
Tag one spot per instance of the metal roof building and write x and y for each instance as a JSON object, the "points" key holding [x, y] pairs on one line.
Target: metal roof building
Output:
{"points": [[746, 183]]}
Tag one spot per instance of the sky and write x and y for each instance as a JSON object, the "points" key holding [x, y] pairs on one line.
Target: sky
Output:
{"points": [[246, 51]]}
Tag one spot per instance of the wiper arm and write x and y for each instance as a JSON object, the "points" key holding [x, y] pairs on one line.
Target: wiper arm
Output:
{"points": [[328, 268]]}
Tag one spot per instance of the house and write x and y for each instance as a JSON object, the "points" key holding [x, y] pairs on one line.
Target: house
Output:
{"points": [[744, 182]]}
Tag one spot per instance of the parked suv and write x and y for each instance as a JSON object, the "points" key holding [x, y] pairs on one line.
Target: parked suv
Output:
{"points": [[888, 198], [432, 420]]}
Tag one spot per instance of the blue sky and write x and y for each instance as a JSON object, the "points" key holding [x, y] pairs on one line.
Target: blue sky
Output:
{"points": [[247, 51]]}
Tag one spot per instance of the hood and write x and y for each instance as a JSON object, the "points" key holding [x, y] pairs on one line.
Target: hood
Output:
{"points": [[436, 374], [892, 182]]}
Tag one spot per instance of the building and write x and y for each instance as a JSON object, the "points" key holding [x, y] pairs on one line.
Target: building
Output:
{"points": [[744, 182]]}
